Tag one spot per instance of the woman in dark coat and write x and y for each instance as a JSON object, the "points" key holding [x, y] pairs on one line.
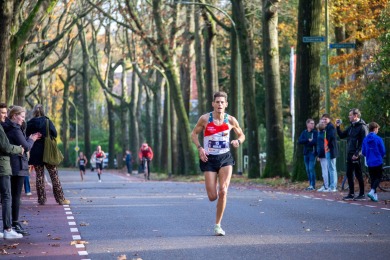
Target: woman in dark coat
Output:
{"points": [[19, 164], [38, 124]]}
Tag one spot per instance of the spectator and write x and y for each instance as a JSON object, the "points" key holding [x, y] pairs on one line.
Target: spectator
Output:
{"points": [[309, 139], [374, 150], [330, 133], [128, 161], [19, 164], [34, 125], [355, 133], [5, 178], [322, 150]]}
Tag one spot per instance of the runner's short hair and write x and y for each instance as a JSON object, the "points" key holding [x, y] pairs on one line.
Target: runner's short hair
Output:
{"points": [[220, 94]]}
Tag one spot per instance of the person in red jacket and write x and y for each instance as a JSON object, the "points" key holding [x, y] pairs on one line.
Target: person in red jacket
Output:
{"points": [[146, 153]]}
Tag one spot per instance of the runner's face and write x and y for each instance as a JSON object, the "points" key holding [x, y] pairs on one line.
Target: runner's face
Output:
{"points": [[3, 114], [219, 104]]}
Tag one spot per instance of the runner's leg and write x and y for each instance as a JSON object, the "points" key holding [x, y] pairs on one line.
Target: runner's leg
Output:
{"points": [[211, 185], [224, 176]]}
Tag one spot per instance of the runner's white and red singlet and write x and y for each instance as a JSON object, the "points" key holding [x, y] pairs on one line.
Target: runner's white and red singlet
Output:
{"points": [[216, 137]]}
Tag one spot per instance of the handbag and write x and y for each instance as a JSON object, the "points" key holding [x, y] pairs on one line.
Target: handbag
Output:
{"points": [[51, 154]]}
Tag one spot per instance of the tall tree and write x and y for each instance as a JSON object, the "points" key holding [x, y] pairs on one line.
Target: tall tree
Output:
{"points": [[248, 76], [276, 161], [307, 86]]}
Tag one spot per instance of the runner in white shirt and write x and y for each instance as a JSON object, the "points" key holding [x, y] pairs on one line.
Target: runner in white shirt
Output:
{"points": [[216, 160]]}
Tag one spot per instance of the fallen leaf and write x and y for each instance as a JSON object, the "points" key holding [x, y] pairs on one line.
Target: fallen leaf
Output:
{"points": [[55, 245], [78, 242], [307, 230], [56, 238], [83, 224], [122, 257]]}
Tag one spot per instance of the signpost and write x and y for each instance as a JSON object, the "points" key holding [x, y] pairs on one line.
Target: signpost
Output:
{"points": [[342, 45], [314, 38]]}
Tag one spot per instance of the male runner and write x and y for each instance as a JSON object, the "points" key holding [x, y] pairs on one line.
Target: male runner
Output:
{"points": [[216, 160]]}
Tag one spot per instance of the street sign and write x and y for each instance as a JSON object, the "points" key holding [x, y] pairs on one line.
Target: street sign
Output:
{"points": [[342, 45], [314, 38]]}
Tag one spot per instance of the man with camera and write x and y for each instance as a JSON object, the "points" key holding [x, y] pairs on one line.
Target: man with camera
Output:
{"points": [[355, 133]]}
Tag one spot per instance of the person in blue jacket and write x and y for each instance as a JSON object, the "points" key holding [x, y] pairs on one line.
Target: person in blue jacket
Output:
{"points": [[308, 138], [374, 150]]}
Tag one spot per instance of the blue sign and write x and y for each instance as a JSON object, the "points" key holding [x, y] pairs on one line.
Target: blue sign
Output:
{"points": [[342, 45], [314, 38]]}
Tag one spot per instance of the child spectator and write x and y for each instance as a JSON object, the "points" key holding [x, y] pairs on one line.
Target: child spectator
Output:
{"points": [[374, 150]]}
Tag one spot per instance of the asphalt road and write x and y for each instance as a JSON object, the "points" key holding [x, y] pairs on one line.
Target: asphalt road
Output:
{"points": [[126, 216]]}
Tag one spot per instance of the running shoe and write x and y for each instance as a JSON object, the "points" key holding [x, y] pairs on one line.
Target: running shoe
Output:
{"points": [[28, 193], [218, 231], [64, 202], [349, 197], [11, 234], [360, 197], [19, 229], [373, 197], [323, 189], [309, 188]]}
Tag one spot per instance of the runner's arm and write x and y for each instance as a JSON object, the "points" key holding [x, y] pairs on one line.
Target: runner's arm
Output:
{"points": [[237, 129]]}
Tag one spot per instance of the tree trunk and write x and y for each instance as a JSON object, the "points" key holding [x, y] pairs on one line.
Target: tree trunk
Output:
{"points": [[177, 98], [234, 85], [134, 126], [200, 83], [6, 12], [276, 161], [85, 93], [307, 86], [211, 77], [157, 120], [248, 76]]}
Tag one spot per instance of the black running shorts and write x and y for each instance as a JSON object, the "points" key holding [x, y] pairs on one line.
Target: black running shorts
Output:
{"points": [[216, 162]]}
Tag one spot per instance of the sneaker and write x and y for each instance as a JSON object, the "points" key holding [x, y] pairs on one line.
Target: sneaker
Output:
{"points": [[28, 193], [360, 197], [349, 197], [309, 188], [19, 229], [11, 234], [322, 189], [333, 190], [218, 231], [64, 202], [100, 180], [373, 197]]}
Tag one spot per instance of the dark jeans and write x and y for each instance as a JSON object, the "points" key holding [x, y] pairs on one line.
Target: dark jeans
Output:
{"points": [[375, 175], [27, 188], [129, 167], [354, 166], [16, 192], [6, 200], [310, 164]]}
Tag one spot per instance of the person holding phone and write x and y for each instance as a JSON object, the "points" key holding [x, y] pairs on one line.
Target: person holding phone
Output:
{"points": [[355, 133], [331, 139], [308, 138]]}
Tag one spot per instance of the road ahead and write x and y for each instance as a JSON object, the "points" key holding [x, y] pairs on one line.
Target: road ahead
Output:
{"points": [[164, 220]]}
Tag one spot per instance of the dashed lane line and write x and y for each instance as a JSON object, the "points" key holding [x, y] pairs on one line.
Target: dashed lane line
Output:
{"points": [[75, 233]]}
